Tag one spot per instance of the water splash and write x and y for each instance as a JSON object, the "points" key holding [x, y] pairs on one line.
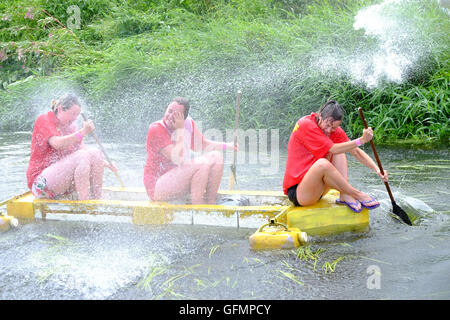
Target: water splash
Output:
{"points": [[445, 5], [395, 52], [392, 46]]}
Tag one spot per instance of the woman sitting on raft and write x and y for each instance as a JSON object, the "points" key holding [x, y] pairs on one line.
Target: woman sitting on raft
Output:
{"points": [[171, 171], [59, 161], [316, 160]]}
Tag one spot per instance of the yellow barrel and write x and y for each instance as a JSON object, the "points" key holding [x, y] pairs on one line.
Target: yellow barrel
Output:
{"points": [[7, 221], [275, 235]]}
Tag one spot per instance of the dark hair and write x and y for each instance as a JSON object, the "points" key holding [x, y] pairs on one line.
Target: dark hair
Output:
{"points": [[185, 103], [331, 109], [66, 102]]}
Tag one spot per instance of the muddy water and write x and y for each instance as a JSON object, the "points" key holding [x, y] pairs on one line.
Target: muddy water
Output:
{"points": [[89, 260]]}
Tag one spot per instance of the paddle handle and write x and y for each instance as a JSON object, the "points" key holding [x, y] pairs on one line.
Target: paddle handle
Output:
{"points": [[376, 155], [103, 150], [232, 179], [236, 124]]}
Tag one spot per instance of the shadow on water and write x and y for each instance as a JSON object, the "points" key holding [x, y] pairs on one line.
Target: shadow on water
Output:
{"points": [[88, 260]]}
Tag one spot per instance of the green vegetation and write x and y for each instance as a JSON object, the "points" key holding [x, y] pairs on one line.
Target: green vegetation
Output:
{"points": [[129, 58]]}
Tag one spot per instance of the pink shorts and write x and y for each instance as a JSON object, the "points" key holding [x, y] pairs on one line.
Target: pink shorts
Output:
{"points": [[40, 189]]}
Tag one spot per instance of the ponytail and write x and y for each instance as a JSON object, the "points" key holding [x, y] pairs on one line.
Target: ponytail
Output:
{"points": [[54, 105], [331, 109]]}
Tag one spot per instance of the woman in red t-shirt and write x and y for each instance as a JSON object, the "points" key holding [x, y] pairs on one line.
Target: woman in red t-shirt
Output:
{"points": [[316, 160], [170, 171], [59, 160]]}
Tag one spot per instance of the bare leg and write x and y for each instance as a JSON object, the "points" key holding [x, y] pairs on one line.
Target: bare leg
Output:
{"points": [[73, 168], [200, 177], [199, 182], [339, 161], [81, 178], [215, 176], [191, 177], [96, 172], [320, 176]]}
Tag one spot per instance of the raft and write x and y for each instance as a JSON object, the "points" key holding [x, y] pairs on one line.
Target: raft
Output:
{"points": [[7, 222], [235, 208]]}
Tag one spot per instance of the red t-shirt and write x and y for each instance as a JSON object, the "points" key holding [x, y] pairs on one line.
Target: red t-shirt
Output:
{"points": [[42, 154], [159, 137], [306, 145]]}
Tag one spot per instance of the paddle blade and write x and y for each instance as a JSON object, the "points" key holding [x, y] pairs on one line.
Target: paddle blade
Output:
{"points": [[401, 213]]}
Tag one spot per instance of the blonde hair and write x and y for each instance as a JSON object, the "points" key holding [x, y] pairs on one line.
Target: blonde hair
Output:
{"points": [[66, 102]]}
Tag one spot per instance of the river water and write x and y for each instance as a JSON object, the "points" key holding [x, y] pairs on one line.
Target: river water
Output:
{"points": [[93, 260]]}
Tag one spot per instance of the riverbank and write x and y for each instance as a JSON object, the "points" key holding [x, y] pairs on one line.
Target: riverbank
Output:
{"points": [[127, 59]]}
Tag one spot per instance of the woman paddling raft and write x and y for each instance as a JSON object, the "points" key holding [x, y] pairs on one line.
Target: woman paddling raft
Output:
{"points": [[316, 160], [170, 170], [59, 161]]}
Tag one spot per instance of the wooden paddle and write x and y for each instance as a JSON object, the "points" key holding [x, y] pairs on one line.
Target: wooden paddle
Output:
{"points": [[395, 208], [232, 180], [103, 150]]}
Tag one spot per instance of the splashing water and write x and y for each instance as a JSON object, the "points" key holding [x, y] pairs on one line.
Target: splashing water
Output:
{"points": [[394, 44], [394, 54]]}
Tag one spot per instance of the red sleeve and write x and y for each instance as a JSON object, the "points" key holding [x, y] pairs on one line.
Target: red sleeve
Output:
{"points": [[157, 138], [339, 136], [310, 135], [44, 130]]}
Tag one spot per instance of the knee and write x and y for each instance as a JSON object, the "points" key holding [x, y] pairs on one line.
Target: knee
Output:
{"points": [[82, 157], [95, 156], [88, 158], [202, 163], [215, 157], [323, 164], [83, 163]]}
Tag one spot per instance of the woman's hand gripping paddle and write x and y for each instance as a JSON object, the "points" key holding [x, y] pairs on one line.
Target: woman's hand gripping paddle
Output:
{"points": [[103, 151], [395, 208], [232, 180]]}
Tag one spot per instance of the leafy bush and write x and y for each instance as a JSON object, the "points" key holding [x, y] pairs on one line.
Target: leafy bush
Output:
{"points": [[129, 58]]}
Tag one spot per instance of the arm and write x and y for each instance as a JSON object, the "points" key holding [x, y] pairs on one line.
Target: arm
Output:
{"points": [[215, 145], [175, 151], [364, 159], [351, 145], [202, 144], [62, 142], [360, 155]]}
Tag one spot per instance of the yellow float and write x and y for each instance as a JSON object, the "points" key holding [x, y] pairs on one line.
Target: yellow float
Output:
{"points": [[133, 206], [6, 222], [275, 235]]}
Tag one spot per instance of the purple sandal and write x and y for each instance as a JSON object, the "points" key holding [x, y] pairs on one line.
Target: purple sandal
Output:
{"points": [[369, 207], [349, 204]]}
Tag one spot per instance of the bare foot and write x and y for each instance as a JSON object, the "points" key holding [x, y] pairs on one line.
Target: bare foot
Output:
{"points": [[368, 202]]}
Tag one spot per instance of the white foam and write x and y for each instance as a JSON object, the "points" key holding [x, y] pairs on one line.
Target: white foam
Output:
{"points": [[391, 46]]}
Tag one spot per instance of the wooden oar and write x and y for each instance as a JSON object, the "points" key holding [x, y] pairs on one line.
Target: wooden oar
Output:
{"points": [[232, 180], [395, 208], [103, 150]]}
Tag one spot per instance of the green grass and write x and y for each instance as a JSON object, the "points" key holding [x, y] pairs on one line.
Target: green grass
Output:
{"points": [[129, 58]]}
